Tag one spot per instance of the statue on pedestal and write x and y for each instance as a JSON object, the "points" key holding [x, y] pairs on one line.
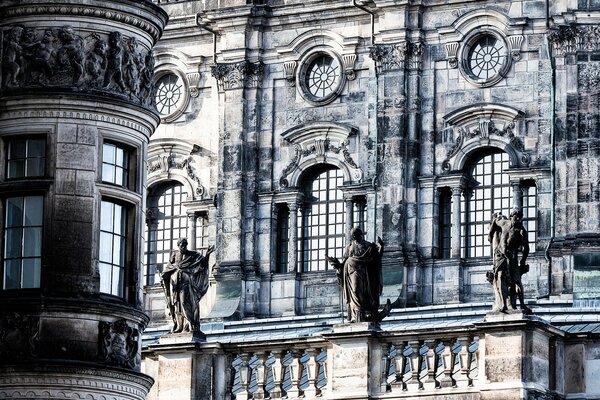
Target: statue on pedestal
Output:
{"points": [[508, 237], [185, 281], [359, 275]]}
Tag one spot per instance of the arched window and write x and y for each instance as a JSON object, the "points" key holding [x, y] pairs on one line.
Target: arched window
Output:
{"points": [[487, 188], [321, 222], [166, 224], [491, 195]]}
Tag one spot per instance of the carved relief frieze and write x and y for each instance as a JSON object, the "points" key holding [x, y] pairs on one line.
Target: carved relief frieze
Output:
{"points": [[238, 75], [119, 344], [62, 58], [389, 56], [568, 39], [19, 337]]}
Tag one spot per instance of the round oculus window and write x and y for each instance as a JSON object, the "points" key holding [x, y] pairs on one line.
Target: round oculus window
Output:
{"points": [[321, 77], [486, 57], [169, 94]]}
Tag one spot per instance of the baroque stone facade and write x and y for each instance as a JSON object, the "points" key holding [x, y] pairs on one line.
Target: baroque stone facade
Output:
{"points": [[416, 122], [76, 114]]}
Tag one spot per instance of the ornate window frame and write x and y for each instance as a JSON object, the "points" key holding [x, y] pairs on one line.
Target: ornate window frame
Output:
{"points": [[301, 51], [466, 30], [301, 77]]}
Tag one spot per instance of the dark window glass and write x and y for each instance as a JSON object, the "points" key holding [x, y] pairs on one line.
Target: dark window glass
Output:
{"points": [[26, 158], [283, 234], [445, 222]]}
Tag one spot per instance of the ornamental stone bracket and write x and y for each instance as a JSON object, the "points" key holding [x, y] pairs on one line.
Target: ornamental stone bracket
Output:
{"points": [[74, 60], [318, 143], [172, 162], [243, 74], [484, 125], [119, 344]]}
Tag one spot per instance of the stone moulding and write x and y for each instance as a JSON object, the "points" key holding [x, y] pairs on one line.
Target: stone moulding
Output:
{"points": [[155, 18]]}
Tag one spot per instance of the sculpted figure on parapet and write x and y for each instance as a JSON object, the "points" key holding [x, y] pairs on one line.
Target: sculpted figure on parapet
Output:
{"points": [[359, 275], [185, 281], [508, 237]]}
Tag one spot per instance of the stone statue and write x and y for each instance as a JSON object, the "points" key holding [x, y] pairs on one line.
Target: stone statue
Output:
{"points": [[185, 281], [114, 65], [12, 56], [359, 275], [508, 237], [70, 54]]}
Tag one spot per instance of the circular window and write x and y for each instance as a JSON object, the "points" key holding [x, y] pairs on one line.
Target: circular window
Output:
{"points": [[170, 95], [485, 59], [320, 78]]}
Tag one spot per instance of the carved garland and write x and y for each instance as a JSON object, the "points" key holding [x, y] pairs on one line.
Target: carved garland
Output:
{"points": [[61, 58], [164, 163], [238, 75], [485, 130], [318, 148]]}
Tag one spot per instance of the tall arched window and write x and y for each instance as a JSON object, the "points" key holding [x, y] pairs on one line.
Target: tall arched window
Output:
{"points": [[166, 224], [493, 194], [321, 222]]}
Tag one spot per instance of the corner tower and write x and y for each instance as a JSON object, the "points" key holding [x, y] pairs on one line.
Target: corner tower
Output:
{"points": [[76, 114]]}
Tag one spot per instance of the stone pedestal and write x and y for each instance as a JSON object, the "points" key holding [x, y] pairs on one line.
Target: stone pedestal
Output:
{"points": [[518, 356], [354, 361]]}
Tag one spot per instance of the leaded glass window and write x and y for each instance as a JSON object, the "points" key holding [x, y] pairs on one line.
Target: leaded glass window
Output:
{"points": [[322, 76], [321, 222], [26, 158], [167, 224], [113, 254], [169, 94], [22, 256], [487, 57]]}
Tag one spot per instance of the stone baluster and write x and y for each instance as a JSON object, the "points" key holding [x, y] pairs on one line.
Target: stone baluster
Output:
{"points": [[295, 374], [311, 366], [439, 369], [270, 380], [306, 381], [388, 367], [259, 372], [277, 369], [423, 374], [473, 363], [321, 374], [399, 363], [407, 366], [455, 349]]}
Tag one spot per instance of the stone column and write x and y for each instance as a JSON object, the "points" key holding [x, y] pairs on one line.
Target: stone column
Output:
{"points": [[191, 231], [293, 238], [456, 223], [517, 195], [349, 218]]}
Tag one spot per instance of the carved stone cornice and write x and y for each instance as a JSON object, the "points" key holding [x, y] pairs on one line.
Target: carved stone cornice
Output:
{"points": [[389, 57], [243, 74], [150, 21]]}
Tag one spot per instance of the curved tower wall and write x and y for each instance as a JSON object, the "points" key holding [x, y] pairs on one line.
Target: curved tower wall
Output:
{"points": [[76, 85]]}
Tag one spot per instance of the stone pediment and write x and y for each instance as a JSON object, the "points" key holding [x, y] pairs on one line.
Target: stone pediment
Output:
{"points": [[483, 125]]}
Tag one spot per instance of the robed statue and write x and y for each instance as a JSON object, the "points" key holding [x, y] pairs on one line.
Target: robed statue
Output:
{"points": [[359, 275], [508, 238], [185, 281]]}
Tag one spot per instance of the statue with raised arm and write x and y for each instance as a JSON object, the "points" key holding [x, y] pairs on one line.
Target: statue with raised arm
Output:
{"points": [[359, 275], [508, 237], [185, 281]]}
